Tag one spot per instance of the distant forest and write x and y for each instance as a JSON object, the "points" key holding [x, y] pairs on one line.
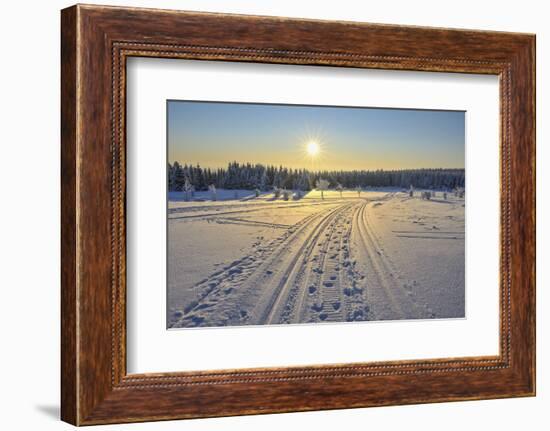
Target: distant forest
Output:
{"points": [[257, 176]]}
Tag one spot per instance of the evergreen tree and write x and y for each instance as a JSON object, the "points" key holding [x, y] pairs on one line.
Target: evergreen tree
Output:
{"points": [[247, 176]]}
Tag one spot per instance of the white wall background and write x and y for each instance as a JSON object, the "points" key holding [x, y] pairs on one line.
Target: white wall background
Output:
{"points": [[29, 214]]}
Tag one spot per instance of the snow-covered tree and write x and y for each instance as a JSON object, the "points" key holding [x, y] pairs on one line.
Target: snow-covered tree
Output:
{"points": [[411, 191], [277, 180], [199, 178], [358, 189], [285, 194], [257, 192], [301, 181], [188, 189], [322, 185], [263, 180], [172, 176], [276, 192], [250, 176], [177, 177], [213, 192]]}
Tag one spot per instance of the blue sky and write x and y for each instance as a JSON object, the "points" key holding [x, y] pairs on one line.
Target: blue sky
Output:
{"points": [[213, 134]]}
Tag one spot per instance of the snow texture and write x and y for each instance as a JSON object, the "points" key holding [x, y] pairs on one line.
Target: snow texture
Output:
{"points": [[254, 260]]}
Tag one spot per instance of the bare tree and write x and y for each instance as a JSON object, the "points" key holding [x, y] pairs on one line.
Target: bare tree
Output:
{"points": [[340, 189], [322, 185]]}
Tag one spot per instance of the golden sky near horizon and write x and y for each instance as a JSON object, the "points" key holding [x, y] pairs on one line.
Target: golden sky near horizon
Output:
{"points": [[213, 134]]}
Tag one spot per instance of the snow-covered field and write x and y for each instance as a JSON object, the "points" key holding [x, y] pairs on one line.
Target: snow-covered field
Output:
{"points": [[380, 255]]}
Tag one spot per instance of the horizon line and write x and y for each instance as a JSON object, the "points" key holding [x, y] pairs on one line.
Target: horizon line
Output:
{"points": [[309, 169]]}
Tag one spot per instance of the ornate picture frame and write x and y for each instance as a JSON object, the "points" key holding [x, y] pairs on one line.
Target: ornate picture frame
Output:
{"points": [[96, 41]]}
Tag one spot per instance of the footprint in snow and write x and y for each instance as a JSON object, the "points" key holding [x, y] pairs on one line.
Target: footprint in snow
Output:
{"points": [[317, 307]]}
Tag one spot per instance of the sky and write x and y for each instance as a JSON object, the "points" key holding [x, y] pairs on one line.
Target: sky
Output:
{"points": [[213, 134]]}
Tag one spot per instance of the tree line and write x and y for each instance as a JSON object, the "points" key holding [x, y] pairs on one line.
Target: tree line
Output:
{"points": [[257, 176]]}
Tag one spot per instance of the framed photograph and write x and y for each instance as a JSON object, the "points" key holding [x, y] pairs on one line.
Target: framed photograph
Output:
{"points": [[264, 214]]}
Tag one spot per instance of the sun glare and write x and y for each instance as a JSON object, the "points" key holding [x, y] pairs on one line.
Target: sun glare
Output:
{"points": [[312, 148]]}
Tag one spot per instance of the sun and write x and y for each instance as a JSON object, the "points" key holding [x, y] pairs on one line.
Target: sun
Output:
{"points": [[312, 148]]}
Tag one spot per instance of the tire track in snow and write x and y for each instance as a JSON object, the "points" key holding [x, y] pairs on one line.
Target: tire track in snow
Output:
{"points": [[332, 281], [313, 269], [220, 284], [308, 274], [326, 287], [329, 267], [290, 284], [230, 295], [188, 213]]}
